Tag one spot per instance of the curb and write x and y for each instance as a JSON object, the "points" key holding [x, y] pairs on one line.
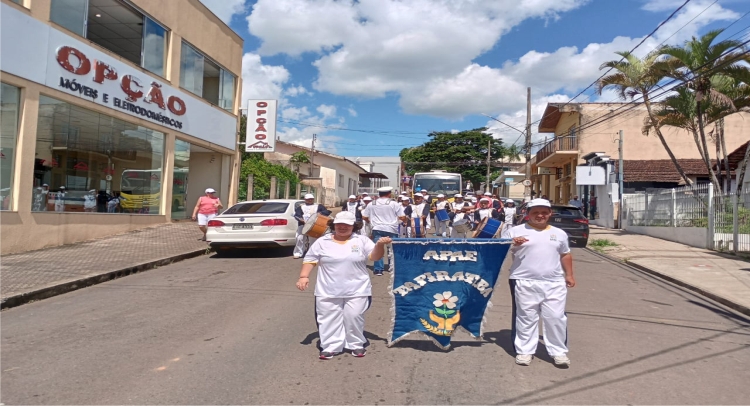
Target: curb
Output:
{"points": [[716, 298], [50, 291]]}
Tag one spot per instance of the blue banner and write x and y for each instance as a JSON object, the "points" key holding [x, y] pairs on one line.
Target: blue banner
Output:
{"points": [[440, 285]]}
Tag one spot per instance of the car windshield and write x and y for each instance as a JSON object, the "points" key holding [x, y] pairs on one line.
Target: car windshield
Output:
{"points": [[258, 208], [435, 184]]}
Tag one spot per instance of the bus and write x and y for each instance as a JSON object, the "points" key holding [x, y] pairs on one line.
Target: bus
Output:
{"points": [[140, 190], [436, 182]]}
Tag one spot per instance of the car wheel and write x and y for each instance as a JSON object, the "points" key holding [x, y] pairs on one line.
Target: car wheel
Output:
{"points": [[222, 252]]}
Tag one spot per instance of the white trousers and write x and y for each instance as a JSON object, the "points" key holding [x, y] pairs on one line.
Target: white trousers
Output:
{"points": [[530, 299], [441, 227], [341, 322], [504, 228], [303, 243]]}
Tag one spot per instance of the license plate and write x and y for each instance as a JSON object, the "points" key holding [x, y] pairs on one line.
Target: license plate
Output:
{"points": [[558, 220], [242, 227]]}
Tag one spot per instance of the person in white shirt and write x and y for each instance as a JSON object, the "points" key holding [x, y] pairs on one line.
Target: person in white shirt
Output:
{"points": [[576, 203], [403, 225], [420, 212], [367, 227], [458, 212], [441, 227], [60, 199], [343, 290], [541, 273], [303, 213], [510, 212], [485, 210], [383, 214]]}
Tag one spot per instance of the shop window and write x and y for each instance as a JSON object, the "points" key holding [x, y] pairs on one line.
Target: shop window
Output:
{"points": [[92, 162], [10, 101], [180, 209], [205, 78], [116, 26]]}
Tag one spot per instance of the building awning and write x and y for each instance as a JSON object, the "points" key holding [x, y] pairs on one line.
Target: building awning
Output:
{"points": [[373, 175], [551, 116]]}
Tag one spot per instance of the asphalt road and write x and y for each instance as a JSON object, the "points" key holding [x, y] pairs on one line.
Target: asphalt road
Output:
{"points": [[236, 331]]}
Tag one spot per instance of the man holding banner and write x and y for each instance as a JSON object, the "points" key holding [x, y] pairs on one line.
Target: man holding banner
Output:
{"points": [[541, 272]]}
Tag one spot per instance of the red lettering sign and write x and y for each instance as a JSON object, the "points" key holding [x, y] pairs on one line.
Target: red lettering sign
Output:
{"points": [[176, 105], [126, 84], [154, 96], [103, 71], [63, 58], [81, 166], [261, 128]]}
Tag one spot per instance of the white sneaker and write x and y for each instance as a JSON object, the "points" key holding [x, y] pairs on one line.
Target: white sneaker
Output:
{"points": [[561, 361], [297, 256], [524, 359]]}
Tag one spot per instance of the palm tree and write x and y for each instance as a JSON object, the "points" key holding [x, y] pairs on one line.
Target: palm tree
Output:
{"points": [[633, 77], [702, 63]]}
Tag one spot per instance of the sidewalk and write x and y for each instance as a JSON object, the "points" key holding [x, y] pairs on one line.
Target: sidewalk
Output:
{"points": [[36, 275], [721, 277]]}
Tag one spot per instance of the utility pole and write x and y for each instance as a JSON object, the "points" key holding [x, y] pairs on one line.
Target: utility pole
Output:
{"points": [[527, 189], [488, 185], [619, 181], [312, 154]]}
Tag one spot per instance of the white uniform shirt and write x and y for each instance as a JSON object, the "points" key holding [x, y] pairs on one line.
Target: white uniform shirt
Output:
{"points": [[441, 205], [539, 257], [342, 268], [484, 213], [308, 210], [510, 212], [352, 207], [458, 206], [383, 214]]}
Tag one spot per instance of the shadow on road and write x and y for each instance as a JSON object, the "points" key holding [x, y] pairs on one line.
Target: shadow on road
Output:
{"points": [[504, 340], [315, 336], [254, 253]]}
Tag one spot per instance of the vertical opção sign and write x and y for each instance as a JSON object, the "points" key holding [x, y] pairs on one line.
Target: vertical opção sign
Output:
{"points": [[261, 126]]}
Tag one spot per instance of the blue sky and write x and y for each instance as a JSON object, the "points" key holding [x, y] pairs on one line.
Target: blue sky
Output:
{"points": [[391, 71]]}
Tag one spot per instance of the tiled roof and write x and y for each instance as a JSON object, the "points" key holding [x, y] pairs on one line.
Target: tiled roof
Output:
{"points": [[661, 170]]}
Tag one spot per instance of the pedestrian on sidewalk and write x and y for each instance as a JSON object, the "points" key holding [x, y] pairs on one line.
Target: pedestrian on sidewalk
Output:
{"points": [[541, 273], [206, 209], [384, 215], [343, 291]]}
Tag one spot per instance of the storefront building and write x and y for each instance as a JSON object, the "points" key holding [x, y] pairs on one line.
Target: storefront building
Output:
{"points": [[116, 115]]}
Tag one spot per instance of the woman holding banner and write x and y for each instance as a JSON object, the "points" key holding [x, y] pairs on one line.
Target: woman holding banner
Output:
{"points": [[343, 290]]}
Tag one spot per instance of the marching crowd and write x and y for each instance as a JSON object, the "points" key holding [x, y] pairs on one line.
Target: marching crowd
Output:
{"points": [[540, 274]]}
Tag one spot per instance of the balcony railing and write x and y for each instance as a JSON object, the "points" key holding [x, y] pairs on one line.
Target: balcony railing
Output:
{"points": [[567, 143]]}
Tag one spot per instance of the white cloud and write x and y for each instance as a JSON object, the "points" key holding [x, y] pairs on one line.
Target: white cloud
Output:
{"points": [[327, 110], [261, 81], [352, 112], [421, 50], [517, 119], [225, 9], [294, 91]]}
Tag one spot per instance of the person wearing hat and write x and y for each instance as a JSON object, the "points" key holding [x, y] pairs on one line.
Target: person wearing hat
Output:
{"points": [[457, 212], [383, 214], [541, 273], [509, 211], [367, 227], [89, 201], [60, 199], [485, 210], [441, 227], [420, 212], [206, 209], [352, 206], [403, 225], [302, 213], [343, 290]]}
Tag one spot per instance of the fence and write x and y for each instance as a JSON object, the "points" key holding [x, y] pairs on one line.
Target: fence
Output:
{"points": [[724, 218]]}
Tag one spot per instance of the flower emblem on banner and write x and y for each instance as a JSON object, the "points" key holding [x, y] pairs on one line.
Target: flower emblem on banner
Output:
{"points": [[444, 304]]}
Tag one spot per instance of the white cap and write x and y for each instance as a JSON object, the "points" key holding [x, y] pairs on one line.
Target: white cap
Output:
{"points": [[487, 194], [473, 199], [92, 191], [457, 195], [425, 193], [309, 196], [484, 199], [62, 187], [400, 198], [352, 197], [385, 189], [210, 190], [45, 185], [345, 217], [365, 194], [538, 203], [403, 192], [509, 201], [406, 199], [367, 198], [441, 195], [418, 196]]}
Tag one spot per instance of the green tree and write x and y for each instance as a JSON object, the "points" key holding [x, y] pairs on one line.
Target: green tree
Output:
{"points": [[297, 159], [634, 76], [703, 63], [464, 152]]}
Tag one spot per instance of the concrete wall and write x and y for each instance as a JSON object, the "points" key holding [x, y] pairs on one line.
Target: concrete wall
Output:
{"points": [[204, 174], [692, 236]]}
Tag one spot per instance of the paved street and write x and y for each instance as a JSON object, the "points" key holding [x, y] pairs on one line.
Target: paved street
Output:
{"points": [[236, 331]]}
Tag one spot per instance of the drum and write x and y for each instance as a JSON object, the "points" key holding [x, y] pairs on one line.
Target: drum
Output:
{"points": [[416, 227], [488, 228], [316, 226], [462, 226], [441, 215]]}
